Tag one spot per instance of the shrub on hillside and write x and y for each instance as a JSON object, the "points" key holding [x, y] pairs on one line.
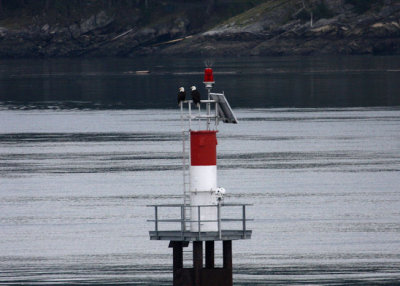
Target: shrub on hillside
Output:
{"points": [[361, 6]]}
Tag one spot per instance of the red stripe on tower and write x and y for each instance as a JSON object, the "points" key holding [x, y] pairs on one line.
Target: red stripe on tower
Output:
{"points": [[203, 148], [203, 179]]}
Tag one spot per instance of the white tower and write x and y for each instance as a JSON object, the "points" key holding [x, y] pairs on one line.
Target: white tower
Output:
{"points": [[203, 179]]}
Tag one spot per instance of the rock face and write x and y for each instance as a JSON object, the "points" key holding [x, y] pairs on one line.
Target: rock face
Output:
{"points": [[276, 27]]}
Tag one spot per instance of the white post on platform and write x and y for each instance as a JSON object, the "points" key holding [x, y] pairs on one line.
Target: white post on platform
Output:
{"points": [[208, 109]]}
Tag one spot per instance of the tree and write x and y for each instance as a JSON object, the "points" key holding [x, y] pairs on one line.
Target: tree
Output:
{"points": [[360, 6], [210, 6], [313, 10], [307, 7]]}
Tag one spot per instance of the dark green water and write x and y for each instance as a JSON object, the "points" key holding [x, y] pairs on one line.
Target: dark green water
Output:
{"points": [[359, 81]]}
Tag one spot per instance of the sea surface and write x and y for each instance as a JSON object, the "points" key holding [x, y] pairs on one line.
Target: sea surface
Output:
{"points": [[86, 145]]}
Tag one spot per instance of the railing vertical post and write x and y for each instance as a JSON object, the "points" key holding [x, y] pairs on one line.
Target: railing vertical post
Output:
{"points": [[198, 219], [208, 108], [182, 220], [219, 220], [216, 113], [244, 221], [156, 219], [199, 115], [190, 115]]}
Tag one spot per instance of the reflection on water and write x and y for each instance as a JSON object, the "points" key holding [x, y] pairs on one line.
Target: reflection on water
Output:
{"points": [[249, 82], [323, 184]]}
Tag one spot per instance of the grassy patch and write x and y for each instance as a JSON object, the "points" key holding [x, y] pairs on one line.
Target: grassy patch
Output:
{"points": [[257, 12]]}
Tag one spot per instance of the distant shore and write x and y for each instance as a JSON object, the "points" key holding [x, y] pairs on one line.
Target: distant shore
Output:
{"points": [[272, 28]]}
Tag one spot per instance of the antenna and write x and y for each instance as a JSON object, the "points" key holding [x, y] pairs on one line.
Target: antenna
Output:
{"points": [[208, 81], [208, 63]]}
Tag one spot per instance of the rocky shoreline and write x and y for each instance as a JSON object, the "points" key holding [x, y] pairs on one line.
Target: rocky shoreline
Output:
{"points": [[269, 29], [346, 33]]}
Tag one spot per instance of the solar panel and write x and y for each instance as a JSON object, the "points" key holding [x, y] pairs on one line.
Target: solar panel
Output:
{"points": [[224, 109]]}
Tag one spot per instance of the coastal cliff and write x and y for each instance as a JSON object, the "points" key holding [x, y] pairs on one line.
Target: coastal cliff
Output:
{"points": [[191, 28]]}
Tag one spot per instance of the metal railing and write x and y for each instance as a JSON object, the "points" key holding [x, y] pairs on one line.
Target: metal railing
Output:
{"points": [[196, 113], [182, 220]]}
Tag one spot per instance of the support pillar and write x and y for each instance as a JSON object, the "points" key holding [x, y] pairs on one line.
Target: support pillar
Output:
{"points": [[210, 254], [227, 259], [177, 263], [197, 262]]}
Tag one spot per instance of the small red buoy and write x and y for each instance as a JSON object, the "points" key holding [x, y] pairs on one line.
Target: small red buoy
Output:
{"points": [[208, 75]]}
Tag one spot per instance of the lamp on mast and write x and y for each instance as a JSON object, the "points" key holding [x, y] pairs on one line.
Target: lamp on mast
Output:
{"points": [[208, 78], [208, 81]]}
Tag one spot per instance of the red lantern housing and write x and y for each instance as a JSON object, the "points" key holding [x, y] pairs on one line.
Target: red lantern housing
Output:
{"points": [[208, 75]]}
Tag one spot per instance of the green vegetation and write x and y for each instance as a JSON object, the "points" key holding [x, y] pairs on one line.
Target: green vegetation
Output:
{"points": [[318, 11], [322, 11], [361, 6], [258, 12], [52, 28], [202, 13]]}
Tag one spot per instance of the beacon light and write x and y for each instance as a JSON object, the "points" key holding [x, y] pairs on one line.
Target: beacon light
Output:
{"points": [[208, 77]]}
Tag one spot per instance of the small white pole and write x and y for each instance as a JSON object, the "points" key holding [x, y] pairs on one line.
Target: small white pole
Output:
{"points": [[199, 116], [208, 109], [190, 115], [219, 220]]}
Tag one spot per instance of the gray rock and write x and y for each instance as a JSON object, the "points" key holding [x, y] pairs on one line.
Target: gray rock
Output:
{"points": [[3, 31], [74, 30], [97, 21], [46, 28], [146, 32], [324, 22]]}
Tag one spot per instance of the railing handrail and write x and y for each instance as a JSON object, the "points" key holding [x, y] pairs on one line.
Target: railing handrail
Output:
{"points": [[196, 113], [183, 220], [203, 220], [201, 101], [188, 206]]}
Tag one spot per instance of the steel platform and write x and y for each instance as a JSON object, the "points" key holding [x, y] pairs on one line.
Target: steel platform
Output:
{"points": [[200, 236]]}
